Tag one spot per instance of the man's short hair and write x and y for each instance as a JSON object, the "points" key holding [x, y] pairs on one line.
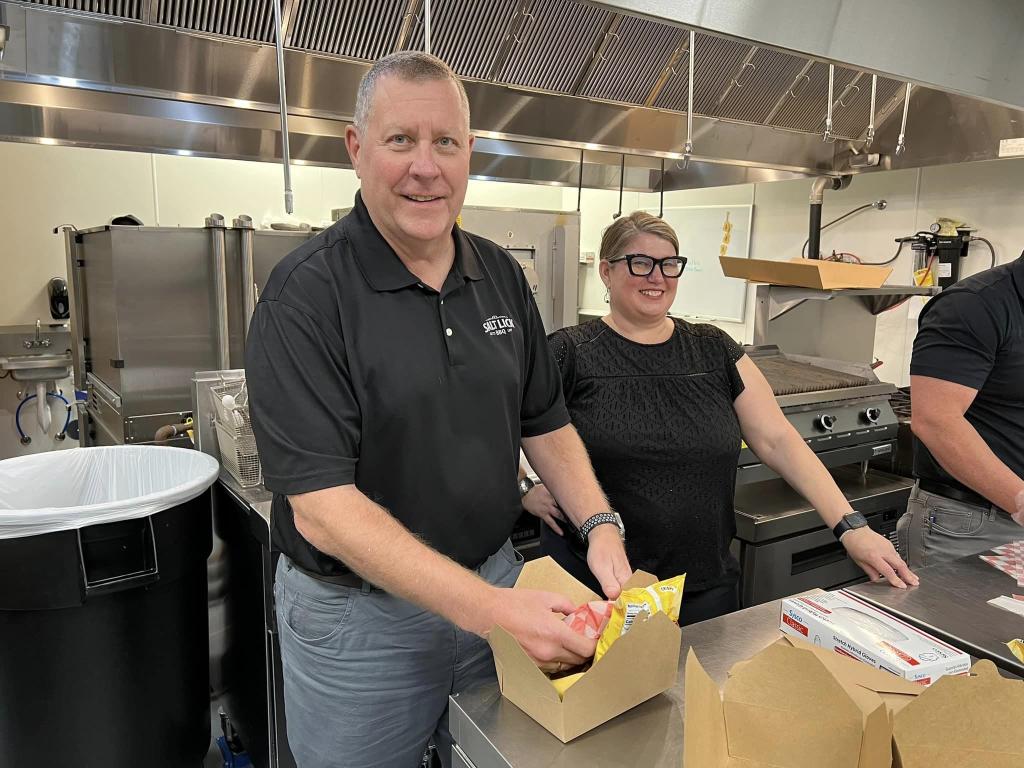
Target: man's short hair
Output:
{"points": [[411, 66]]}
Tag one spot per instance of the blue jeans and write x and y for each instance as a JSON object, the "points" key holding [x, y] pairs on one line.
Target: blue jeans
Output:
{"points": [[936, 529], [367, 675]]}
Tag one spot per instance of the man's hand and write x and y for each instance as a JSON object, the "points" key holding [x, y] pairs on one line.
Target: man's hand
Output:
{"points": [[876, 555], [1018, 516], [606, 556], [535, 619], [540, 503]]}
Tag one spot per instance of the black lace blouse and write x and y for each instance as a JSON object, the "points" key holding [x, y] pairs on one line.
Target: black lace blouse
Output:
{"points": [[659, 424]]}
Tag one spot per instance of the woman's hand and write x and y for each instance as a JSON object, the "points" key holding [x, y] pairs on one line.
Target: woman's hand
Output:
{"points": [[878, 558], [540, 503]]}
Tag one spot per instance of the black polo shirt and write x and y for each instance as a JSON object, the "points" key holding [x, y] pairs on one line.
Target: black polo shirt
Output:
{"points": [[973, 334], [359, 373]]}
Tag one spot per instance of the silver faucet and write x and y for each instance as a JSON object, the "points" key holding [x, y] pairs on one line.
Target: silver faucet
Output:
{"points": [[37, 342]]}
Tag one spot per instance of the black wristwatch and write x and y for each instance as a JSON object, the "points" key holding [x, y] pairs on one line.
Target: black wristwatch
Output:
{"points": [[601, 518], [525, 486], [848, 523]]}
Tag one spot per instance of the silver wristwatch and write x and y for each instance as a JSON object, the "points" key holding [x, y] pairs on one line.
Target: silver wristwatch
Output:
{"points": [[602, 518], [525, 486]]}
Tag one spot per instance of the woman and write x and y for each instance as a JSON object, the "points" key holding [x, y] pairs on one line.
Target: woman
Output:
{"points": [[662, 406]]}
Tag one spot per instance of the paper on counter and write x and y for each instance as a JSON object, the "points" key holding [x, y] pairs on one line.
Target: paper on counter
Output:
{"points": [[1008, 558], [1008, 604]]}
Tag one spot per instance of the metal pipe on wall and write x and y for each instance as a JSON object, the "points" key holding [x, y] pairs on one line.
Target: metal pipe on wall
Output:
{"points": [[245, 232], [215, 224], [818, 187]]}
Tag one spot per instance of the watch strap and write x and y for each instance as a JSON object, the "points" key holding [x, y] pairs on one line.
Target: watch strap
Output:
{"points": [[849, 522], [601, 518]]}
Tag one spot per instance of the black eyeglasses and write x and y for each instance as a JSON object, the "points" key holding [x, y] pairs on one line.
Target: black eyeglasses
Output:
{"points": [[641, 265]]}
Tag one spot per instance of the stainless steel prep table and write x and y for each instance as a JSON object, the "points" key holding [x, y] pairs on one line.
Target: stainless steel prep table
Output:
{"points": [[952, 604], [490, 732]]}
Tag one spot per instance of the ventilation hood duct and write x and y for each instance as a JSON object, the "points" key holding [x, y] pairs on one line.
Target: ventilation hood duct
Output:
{"points": [[549, 82]]}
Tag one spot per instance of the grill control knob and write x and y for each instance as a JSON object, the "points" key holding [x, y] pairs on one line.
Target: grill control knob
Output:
{"points": [[872, 415], [825, 422]]}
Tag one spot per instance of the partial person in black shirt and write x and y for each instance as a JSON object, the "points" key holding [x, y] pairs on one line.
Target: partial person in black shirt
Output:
{"points": [[395, 366], [967, 398], [662, 406]]}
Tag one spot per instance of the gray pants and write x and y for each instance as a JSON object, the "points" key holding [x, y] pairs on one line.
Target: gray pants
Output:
{"points": [[367, 675], [937, 529]]}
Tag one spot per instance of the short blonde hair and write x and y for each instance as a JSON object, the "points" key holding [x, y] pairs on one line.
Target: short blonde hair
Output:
{"points": [[618, 235]]}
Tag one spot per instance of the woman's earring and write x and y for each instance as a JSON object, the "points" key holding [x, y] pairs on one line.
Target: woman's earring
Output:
{"points": [[607, 294]]}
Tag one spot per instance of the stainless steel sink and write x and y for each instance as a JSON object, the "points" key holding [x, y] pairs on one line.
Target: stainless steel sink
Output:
{"points": [[36, 353], [47, 366]]}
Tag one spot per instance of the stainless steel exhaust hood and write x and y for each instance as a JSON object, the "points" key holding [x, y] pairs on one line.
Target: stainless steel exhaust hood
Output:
{"points": [[548, 81]]}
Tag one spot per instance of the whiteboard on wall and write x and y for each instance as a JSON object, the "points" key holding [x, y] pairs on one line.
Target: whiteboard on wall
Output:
{"points": [[704, 292]]}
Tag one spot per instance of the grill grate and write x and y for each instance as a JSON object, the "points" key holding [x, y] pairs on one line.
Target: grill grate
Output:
{"points": [[790, 377]]}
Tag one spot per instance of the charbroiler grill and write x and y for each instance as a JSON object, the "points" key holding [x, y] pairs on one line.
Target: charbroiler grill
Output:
{"points": [[843, 413]]}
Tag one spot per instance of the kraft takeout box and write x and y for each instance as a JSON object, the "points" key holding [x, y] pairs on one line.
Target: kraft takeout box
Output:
{"points": [[639, 665], [792, 705], [796, 705], [966, 721], [806, 273]]}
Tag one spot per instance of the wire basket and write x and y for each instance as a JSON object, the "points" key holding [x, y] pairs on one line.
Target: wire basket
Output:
{"points": [[235, 439]]}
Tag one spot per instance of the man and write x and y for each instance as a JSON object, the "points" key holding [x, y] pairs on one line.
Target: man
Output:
{"points": [[967, 391], [394, 363]]}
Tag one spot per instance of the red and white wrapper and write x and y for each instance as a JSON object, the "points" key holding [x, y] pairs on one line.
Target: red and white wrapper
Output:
{"points": [[590, 618]]}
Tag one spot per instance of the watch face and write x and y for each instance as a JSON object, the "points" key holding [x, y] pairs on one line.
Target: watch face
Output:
{"points": [[856, 520]]}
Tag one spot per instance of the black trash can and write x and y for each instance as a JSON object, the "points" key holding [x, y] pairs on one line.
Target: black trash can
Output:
{"points": [[103, 627]]}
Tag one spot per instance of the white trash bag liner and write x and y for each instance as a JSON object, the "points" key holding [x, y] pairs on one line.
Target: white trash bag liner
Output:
{"points": [[63, 490]]}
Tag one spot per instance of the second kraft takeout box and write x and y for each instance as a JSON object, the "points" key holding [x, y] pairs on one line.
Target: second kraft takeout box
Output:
{"points": [[639, 665], [797, 705], [793, 705], [806, 273]]}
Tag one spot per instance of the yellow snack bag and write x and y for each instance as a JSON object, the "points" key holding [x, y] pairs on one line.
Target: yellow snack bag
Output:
{"points": [[562, 684], [638, 604], [1017, 646]]}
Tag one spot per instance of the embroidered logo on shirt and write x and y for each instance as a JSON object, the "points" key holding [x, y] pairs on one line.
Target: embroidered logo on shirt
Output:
{"points": [[498, 325]]}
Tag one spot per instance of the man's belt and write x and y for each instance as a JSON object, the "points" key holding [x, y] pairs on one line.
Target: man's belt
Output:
{"points": [[957, 493], [341, 579]]}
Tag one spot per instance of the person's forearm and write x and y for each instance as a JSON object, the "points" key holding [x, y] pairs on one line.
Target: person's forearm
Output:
{"points": [[560, 460], [965, 455], [797, 465], [343, 523]]}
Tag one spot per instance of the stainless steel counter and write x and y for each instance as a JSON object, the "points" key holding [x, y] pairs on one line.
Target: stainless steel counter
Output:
{"points": [[491, 732], [952, 604], [256, 500]]}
